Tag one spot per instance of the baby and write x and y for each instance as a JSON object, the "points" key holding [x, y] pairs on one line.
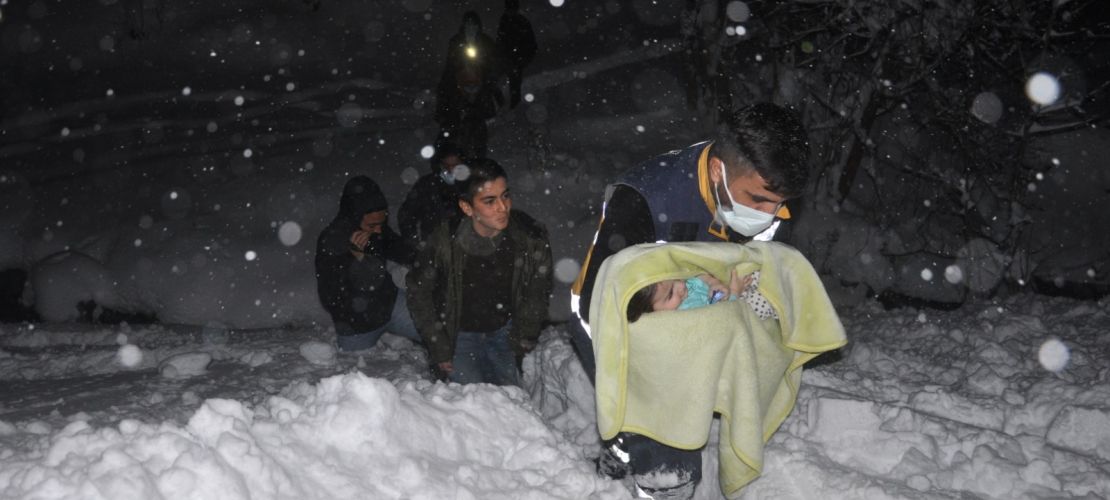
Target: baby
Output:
{"points": [[698, 291]]}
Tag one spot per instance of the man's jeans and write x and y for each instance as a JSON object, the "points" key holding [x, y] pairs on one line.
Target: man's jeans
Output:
{"points": [[485, 357], [400, 323]]}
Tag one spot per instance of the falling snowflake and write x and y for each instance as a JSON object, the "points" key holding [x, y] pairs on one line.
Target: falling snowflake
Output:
{"points": [[129, 355], [953, 274], [987, 107], [409, 176], [566, 270], [290, 233], [1042, 88], [1053, 355], [738, 12]]}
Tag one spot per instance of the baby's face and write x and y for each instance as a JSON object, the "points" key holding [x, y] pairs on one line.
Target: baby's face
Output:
{"points": [[668, 295]]}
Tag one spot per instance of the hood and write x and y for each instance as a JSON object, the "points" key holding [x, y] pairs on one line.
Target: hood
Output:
{"points": [[361, 196], [472, 18]]}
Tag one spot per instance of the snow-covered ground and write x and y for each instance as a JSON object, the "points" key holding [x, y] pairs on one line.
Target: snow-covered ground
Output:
{"points": [[994, 400], [185, 175]]}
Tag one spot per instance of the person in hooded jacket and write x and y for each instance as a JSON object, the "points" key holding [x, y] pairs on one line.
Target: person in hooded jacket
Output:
{"points": [[433, 199], [517, 42], [352, 279]]}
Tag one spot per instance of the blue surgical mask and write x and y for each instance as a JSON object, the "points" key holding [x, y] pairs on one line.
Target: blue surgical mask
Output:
{"points": [[741, 218], [447, 176]]}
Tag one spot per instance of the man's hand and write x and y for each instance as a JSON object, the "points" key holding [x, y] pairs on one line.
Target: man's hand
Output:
{"points": [[445, 367]]}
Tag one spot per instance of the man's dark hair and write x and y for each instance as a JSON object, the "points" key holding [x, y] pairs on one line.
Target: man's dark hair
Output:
{"points": [[443, 150], [640, 303], [482, 170], [769, 139]]}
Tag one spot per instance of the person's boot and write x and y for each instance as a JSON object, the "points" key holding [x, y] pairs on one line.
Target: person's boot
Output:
{"points": [[613, 461]]}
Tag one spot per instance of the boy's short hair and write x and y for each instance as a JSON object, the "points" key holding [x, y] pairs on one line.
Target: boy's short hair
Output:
{"points": [[770, 139], [480, 171], [641, 302]]}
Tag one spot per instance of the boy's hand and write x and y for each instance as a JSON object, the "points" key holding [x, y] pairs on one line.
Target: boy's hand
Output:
{"points": [[359, 239]]}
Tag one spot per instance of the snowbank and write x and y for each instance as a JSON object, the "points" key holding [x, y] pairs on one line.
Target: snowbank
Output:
{"points": [[349, 436]]}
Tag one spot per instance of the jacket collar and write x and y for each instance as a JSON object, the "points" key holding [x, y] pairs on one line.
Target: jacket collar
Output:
{"points": [[705, 188]]}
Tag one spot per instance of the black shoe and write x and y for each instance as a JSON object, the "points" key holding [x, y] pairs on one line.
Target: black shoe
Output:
{"points": [[610, 464]]}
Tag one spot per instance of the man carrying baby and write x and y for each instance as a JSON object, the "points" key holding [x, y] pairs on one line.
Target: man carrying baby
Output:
{"points": [[730, 188]]}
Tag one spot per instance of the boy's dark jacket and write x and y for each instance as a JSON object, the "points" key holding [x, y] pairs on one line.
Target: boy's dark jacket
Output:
{"points": [[435, 286], [358, 294]]}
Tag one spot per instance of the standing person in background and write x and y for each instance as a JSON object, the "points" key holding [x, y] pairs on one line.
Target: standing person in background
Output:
{"points": [[352, 279], [470, 48], [517, 43], [468, 93], [433, 199], [462, 113], [479, 289]]}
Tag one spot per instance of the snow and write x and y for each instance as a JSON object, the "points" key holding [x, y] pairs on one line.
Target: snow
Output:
{"points": [[934, 405], [318, 353], [194, 194]]}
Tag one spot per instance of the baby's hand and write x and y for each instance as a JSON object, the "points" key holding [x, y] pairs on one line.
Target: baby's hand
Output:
{"points": [[737, 285]]}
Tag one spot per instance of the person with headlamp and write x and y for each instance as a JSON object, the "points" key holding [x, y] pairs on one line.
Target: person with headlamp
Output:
{"points": [[468, 94]]}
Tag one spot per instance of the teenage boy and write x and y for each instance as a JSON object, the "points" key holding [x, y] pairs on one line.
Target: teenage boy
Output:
{"points": [[479, 290]]}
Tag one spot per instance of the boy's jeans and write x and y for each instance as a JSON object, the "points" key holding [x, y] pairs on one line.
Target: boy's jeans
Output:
{"points": [[485, 357], [400, 323]]}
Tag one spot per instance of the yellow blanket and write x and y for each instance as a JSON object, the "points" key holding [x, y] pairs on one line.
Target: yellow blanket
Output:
{"points": [[665, 375]]}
